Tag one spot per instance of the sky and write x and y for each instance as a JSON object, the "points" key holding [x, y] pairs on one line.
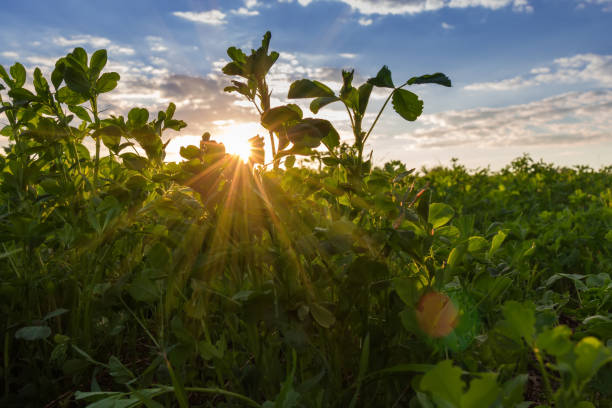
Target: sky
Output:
{"points": [[529, 76]]}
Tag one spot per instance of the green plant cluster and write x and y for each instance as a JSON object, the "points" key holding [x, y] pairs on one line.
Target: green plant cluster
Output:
{"points": [[127, 281]]}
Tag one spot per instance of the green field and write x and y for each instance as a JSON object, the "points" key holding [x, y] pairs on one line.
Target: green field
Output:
{"points": [[317, 279]]}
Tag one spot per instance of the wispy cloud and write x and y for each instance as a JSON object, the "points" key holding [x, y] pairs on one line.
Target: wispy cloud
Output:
{"points": [[571, 118], [365, 21], [156, 44], [399, 7], [212, 17], [243, 11], [94, 42], [588, 68], [447, 26], [607, 4], [9, 54]]}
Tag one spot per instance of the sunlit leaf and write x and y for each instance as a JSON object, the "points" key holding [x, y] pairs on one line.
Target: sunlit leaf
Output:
{"points": [[407, 104]]}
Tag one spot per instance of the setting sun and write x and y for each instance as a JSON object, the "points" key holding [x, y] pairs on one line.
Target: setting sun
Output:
{"points": [[238, 146]]}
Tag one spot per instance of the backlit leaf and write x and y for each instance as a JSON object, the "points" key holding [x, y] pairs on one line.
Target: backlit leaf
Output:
{"points": [[407, 104], [305, 88], [382, 79]]}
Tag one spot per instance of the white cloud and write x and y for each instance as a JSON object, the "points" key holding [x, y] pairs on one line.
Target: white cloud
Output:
{"points": [[212, 17], [243, 11], [93, 42], [156, 44], [447, 26], [9, 54], [347, 55], [98, 42], [365, 21], [607, 4], [44, 62], [418, 6], [588, 68], [571, 118]]}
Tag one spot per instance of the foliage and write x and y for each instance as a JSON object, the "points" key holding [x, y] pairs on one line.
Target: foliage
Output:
{"points": [[128, 281]]}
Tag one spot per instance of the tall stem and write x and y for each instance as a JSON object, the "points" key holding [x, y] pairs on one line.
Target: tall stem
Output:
{"points": [[94, 109], [381, 111]]}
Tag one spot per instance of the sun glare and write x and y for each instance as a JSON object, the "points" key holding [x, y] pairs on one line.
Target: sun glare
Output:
{"points": [[235, 137], [238, 146]]}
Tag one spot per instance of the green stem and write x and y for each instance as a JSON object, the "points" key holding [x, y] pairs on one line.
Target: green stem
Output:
{"points": [[381, 111], [94, 109], [544, 373]]}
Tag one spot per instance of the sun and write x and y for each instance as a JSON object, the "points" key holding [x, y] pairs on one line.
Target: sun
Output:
{"points": [[234, 135], [238, 146]]}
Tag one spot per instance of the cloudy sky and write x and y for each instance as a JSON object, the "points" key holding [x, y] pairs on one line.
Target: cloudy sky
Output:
{"points": [[529, 76]]}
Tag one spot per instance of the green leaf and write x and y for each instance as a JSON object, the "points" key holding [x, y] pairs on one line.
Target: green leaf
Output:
{"points": [[364, 96], [57, 76], [77, 81], [591, 355], [477, 244], [78, 58], [437, 78], [305, 88], [455, 256], [483, 392], [321, 315], [134, 162], [137, 117], [444, 384], [55, 313], [289, 162], [407, 104], [208, 351], [279, 116], [111, 137], [236, 54], [119, 372], [31, 333], [69, 97], [40, 84], [496, 242], [190, 152], [440, 214], [320, 102], [5, 77], [170, 111], [383, 78], [408, 290], [80, 112], [519, 320], [97, 63], [555, 342], [107, 82], [233, 68], [22, 96], [304, 135], [18, 73]]}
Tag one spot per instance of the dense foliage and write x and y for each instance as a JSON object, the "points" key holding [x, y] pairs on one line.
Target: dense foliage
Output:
{"points": [[128, 281]]}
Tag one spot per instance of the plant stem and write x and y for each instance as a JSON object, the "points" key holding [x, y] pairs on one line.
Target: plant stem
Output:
{"points": [[94, 109], [381, 111]]}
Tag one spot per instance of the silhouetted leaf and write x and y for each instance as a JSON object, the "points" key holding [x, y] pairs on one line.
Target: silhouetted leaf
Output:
{"points": [[382, 79], [407, 104]]}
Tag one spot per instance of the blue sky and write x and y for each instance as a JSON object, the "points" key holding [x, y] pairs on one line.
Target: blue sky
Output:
{"points": [[529, 76]]}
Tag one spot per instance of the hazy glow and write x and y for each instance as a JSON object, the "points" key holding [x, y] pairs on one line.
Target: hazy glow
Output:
{"points": [[235, 137]]}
